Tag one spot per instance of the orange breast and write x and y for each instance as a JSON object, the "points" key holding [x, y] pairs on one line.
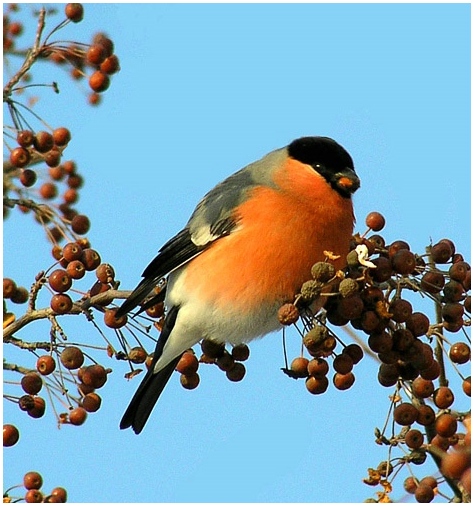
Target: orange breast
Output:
{"points": [[282, 232]]}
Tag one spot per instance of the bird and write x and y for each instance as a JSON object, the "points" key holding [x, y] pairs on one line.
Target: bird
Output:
{"points": [[246, 250]]}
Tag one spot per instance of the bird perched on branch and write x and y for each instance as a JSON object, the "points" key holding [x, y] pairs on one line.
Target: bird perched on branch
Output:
{"points": [[246, 250]]}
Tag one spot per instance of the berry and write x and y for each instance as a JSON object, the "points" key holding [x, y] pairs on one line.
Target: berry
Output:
{"points": [[190, 382], [137, 355], [45, 364], [105, 273], [423, 388], [443, 397], [80, 224], [94, 99], [318, 367], [348, 287], [74, 12], [52, 157], [72, 357], [458, 271], [111, 321], [95, 54], [453, 291], [380, 342], [77, 416], [99, 81], [31, 383], [424, 493], [432, 282], [460, 353], [72, 251], [26, 402], [10, 435], [455, 463], [299, 367], [446, 425], [225, 362], [76, 269], [90, 258], [110, 65], [188, 363], [28, 177], [354, 351], [375, 221], [426, 415], [20, 295], [441, 252], [39, 408], [25, 138], [212, 349], [43, 142], [410, 485], [405, 413], [240, 352], [60, 281], [20, 157], [75, 181], [61, 136], [317, 385], [466, 386], [156, 311], [432, 371], [403, 262], [350, 307], [396, 246], [343, 381], [323, 271], [452, 312], [400, 309], [61, 303], [91, 402], [383, 270], [236, 373], [32, 480], [33, 496], [418, 324], [9, 287], [94, 376], [414, 439], [343, 363], [59, 494], [48, 191]]}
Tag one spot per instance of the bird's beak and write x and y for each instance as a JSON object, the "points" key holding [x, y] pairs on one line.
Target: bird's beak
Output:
{"points": [[347, 181]]}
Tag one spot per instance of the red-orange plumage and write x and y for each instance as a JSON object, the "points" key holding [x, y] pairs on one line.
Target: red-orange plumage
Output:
{"points": [[282, 232]]}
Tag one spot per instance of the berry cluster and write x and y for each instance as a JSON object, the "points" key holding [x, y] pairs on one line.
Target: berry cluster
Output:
{"points": [[371, 295], [32, 483]]}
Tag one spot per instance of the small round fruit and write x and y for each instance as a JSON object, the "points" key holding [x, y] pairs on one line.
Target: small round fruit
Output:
{"points": [[60, 281], [90, 258], [9, 288], [455, 463], [39, 408], [45, 364], [72, 251], [61, 303], [94, 376], [418, 324], [43, 142], [443, 397], [77, 416], [458, 271], [375, 221], [414, 439], [424, 493], [105, 273], [190, 382], [299, 367], [80, 224], [31, 383], [404, 262], [33, 496], [422, 388], [317, 385], [400, 309], [441, 252], [20, 157], [466, 386], [452, 312], [25, 138], [410, 485], [432, 282], [318, 367], [91, 402], [240, 352], [61, 136], [383, 270], [11, 435], [95, 54], [112, 321], [343, 363], [236, 373], [72, 357], [110, 65], [188, 363], [32, 480], [59, 494], [460, 353], [99, 81], [354, 351], [74, 12], [212, 349], [343, 381], [446, 425], [48, 191], [28, 177], [453, 291], [137, 355], [426, 415], [405, 413], [76, 269]]}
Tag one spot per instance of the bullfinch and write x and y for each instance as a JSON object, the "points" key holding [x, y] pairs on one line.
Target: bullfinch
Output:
{"points": [[246, 250]]}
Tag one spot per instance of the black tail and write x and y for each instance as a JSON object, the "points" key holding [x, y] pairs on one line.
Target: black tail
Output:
{"points": [[152, 385], [136, 297]]}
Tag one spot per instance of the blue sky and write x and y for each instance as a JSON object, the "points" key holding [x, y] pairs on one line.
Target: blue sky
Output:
{"points": [[203, 91]]}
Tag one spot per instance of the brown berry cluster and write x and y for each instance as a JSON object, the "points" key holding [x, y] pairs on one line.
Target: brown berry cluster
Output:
{"points": [[12, 29], [32, 483], [374, 295], [213, 353]]}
